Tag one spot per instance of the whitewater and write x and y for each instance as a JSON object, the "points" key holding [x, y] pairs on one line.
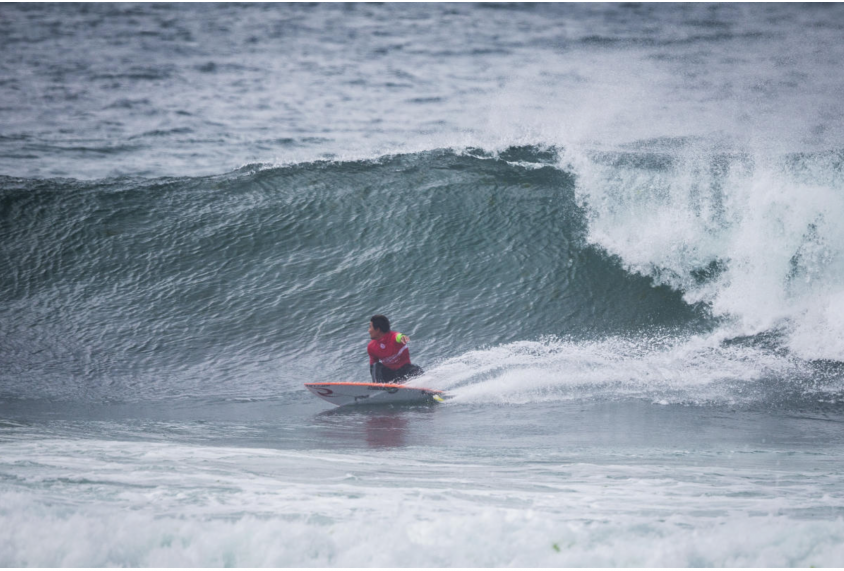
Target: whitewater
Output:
{"points": [[611, 231]]}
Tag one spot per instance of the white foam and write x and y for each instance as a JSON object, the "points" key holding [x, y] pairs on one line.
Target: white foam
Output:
{"points": [[771, 226], [98, 503], [518, 538]]}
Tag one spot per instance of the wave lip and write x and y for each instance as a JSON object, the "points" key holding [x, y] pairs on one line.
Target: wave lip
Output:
{"points": [[751, 236]]}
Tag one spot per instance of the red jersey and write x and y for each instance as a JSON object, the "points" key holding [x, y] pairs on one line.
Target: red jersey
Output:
{"points": [[389, 350]]}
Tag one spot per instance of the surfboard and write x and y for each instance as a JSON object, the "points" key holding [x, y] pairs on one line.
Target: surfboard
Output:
{"points": [[341, 394]]}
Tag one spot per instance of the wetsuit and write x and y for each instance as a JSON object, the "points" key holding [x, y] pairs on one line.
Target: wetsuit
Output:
{"points": [[389, 359]]}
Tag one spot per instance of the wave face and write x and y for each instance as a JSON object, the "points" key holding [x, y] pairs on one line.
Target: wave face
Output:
{"points": [[131, 283], [624, 274]]}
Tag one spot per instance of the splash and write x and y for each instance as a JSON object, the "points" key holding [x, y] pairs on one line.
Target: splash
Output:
{"points": [[706, 369]]}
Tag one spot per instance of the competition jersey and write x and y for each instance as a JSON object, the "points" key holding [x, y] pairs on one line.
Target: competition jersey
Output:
{"points": [[389, 350]]}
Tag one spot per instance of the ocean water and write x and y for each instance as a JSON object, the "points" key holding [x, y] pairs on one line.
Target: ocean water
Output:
{"points": [[613, 233]]}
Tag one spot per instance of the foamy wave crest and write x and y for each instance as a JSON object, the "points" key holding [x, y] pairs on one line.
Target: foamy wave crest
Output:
{"points": [[755, 237]]}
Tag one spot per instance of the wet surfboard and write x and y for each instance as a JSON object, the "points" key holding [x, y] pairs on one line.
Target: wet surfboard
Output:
{"points": [[341, 394]]}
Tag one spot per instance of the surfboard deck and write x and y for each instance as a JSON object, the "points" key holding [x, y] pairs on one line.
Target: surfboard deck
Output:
{"points": [[341, 394]]}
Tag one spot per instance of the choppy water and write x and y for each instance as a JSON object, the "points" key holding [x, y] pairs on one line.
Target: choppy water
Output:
{"points": [[612, 232]]}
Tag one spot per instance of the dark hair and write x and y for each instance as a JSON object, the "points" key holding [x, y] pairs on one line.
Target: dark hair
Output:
{"points": [[381, 323]]}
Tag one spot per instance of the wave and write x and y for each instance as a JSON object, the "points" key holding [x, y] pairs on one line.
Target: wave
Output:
{"points": [[133, 288]]}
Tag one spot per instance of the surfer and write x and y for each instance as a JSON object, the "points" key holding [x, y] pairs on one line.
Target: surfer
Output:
{"points": [[389, 357]]}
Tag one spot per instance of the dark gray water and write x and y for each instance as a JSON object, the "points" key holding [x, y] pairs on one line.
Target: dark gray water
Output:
{"points": [[611, 231]]}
